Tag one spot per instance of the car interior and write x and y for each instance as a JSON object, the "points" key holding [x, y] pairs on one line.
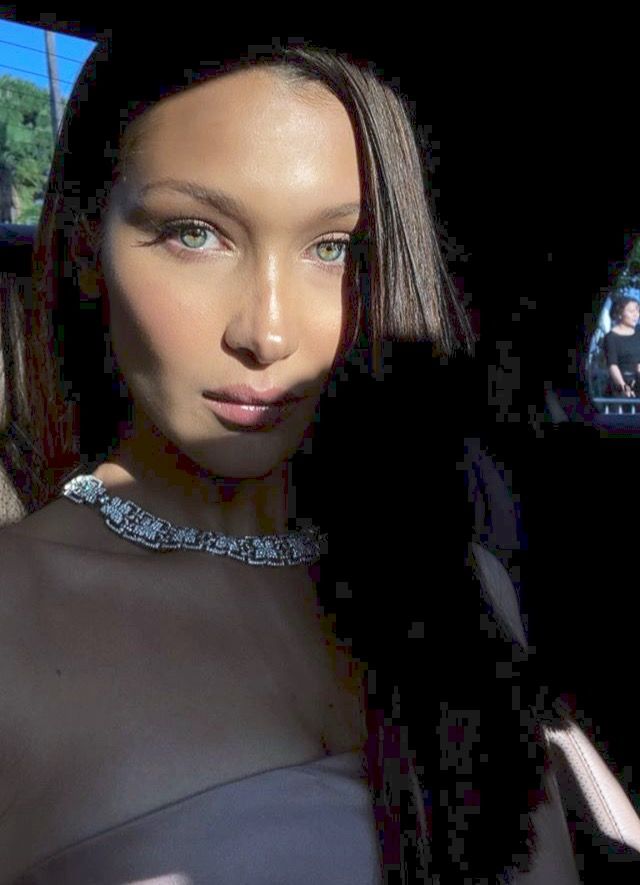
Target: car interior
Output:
{"points": [[540, 212]]}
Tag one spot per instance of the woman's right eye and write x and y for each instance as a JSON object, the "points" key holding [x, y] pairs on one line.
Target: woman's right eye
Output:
{"points": [[187, 238]]}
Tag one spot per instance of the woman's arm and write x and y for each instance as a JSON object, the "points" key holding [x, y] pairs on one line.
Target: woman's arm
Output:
{"points": [[618, 380]]}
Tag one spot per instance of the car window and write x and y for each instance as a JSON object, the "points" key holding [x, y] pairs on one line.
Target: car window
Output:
{"points": [[37, 71], [613, 359]]}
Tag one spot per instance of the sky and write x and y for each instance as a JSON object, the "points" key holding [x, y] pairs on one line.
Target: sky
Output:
{"points": [[27, 59]]}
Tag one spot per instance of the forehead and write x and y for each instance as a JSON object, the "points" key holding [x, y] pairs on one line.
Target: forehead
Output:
{"points": [[253, 125]]}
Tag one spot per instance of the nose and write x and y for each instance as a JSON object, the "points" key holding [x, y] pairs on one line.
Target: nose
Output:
{"points": [[263, 323]]}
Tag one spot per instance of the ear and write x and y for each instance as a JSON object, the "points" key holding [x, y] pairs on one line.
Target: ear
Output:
{"points": [[84, 252]]}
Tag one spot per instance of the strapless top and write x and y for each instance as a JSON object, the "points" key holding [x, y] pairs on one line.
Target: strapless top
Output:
{"points": [[310, 823]]}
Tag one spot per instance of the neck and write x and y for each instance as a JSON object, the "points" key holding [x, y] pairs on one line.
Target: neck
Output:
{"points": [[160, 478]]}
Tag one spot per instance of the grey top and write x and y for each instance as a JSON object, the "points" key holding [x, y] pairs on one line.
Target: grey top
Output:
{"points": [[310, 823]]}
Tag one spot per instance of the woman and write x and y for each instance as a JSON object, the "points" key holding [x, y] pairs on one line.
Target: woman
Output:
{"points": [[222, 248], [622, 347]]}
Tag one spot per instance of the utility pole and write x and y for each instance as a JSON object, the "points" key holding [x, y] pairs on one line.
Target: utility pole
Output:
{"points": [[54, 93]]}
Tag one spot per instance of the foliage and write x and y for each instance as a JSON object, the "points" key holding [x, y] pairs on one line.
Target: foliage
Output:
{"points": [[629, 277], [26, 142]]}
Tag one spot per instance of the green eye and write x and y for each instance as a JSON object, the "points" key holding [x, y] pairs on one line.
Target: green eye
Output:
{"points": [[331, 250], [186, 238], [194, 237]]}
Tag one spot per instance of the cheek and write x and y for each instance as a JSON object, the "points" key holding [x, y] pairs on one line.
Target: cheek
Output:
{"points": [[145, 331], [156, 324], [324, 331], [331, 324]]}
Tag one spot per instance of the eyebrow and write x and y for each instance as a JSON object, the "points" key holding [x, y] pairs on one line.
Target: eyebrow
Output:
{"points": [[233, 208]]}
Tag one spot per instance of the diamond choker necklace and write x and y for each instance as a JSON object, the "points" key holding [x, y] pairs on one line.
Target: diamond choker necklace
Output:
{"points": [[141, 527]]}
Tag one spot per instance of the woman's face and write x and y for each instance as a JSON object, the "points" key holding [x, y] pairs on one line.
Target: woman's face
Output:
{"points": [[631, 313], [223, 260]]}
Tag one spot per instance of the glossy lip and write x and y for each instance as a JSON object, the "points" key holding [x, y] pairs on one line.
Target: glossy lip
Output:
{"points": [[249, 396], [243, 408]]}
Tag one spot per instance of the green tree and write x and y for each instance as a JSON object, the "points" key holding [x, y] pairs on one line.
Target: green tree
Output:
{"points": [[631, 272], [26, 142]]}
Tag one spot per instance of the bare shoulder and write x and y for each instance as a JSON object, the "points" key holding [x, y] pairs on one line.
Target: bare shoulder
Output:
{"points": [[56, 521], [16, 556], [63, 522], [25, 555], [38, 552], [47, 523]]}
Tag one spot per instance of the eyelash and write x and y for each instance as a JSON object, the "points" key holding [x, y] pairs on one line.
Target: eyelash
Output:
{"points": [[179, 225]]}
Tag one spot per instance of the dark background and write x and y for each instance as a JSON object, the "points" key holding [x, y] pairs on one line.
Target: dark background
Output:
{"points": [[543, 204], [536, 185]]}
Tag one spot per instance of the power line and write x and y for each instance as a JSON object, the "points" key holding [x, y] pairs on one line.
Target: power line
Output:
{"points": [[42, 51], [35, 74]]}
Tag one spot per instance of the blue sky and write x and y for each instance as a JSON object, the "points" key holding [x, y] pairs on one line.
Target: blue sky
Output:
{"points": [[27, 60]]}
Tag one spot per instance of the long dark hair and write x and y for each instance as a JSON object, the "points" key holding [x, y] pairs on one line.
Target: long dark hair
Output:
{"points": [[396, 574]]}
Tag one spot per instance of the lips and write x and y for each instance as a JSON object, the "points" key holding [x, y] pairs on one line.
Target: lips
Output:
{"points": [[243, 407], [246, 395]]}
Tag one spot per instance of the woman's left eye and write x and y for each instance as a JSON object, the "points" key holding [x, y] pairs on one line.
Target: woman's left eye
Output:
{"points": [[196, 235], [335, 251]]}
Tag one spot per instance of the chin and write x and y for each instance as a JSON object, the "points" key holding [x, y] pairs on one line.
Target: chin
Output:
{"points": [[252, 456]]}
